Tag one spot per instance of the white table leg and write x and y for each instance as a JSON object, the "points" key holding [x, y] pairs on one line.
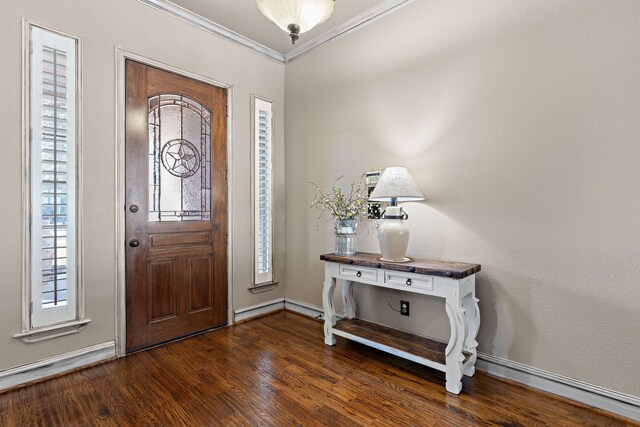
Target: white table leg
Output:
{"points": [[330, 317], [453, 352], [348, 301], [472, 311]]}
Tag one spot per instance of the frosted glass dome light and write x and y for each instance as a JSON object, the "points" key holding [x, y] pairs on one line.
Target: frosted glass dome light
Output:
{"points": [[296, 16]]}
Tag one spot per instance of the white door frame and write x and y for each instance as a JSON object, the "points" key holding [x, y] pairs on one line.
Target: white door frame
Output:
{"points": [[121, 309]]}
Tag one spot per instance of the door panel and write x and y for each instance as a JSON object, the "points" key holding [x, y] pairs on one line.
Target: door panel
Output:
{"points": [[201, 275], [177, 239], [163, 290], [176, 206]]}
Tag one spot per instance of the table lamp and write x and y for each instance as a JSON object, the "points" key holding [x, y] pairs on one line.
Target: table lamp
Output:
{"points": [[395, 185]]}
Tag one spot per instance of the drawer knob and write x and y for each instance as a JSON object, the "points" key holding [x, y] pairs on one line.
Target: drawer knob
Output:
{"points": [[409, 282], [412, 269], [358, 274]]}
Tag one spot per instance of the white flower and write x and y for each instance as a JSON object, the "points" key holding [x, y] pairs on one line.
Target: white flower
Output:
{"points": [[341, 205]]}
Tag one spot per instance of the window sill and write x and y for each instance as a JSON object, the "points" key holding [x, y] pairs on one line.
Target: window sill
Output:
{"points": [[54, 331], [262, 287]]}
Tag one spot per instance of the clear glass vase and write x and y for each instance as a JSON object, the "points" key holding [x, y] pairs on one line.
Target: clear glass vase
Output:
{"points": [[345, 230]]}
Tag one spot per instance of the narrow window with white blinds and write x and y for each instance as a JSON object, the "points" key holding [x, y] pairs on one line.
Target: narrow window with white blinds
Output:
{"points": [[53, 139], [263, 191]]}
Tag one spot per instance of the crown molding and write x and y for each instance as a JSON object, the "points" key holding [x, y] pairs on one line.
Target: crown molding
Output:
{"points": [[351, 25], [229, 35], [213, 28]]}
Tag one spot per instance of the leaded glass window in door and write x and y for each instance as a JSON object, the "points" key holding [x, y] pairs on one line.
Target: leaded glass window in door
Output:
{"points": [[179, 159]]}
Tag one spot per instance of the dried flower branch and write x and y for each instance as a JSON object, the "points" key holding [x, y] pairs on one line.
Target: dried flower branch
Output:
{"points": [[342, 205]]}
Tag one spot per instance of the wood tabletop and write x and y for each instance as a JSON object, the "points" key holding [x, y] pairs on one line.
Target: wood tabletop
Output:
{"points": [[455, 270]]}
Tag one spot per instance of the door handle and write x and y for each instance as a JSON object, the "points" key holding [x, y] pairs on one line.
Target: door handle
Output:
{"points": [[134, 243], [134, 208]]}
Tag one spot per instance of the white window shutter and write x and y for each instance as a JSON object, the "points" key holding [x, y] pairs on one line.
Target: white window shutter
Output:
{"points": [[263, 191], [53, 177]]}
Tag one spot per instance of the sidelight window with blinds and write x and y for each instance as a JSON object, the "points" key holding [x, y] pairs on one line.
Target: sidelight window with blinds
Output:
{"points": [[263, 191], [52, 275]]}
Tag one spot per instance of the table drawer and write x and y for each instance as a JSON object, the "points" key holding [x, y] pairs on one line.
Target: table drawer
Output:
{"points": [[354, 272], [409, 280]]}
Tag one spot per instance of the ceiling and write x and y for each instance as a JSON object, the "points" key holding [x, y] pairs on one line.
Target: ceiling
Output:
{"points": [[243, 17]]}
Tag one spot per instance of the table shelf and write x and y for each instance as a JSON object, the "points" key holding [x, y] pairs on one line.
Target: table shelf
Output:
{"points": [[396, 339]]}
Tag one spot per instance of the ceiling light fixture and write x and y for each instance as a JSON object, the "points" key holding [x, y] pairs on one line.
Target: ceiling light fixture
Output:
{"points": [[296, 16]]}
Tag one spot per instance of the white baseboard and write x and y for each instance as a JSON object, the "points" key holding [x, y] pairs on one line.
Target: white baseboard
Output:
{"points": [[580, 391], [246, 313], [258, 310], [303, 308], [56, 365]]}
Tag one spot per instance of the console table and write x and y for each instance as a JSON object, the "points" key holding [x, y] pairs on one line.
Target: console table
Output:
{"points": [[453, 281]]}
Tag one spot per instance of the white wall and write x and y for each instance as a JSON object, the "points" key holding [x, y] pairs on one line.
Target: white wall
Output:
{"points": [[520, 122], [103, 25]]}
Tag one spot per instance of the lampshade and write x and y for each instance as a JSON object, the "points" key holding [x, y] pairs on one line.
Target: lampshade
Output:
{"points": [[296, 16], [396, 183]]}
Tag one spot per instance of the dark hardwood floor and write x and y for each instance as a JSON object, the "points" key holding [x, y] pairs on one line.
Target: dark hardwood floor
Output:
{"points": [[276, 370]]}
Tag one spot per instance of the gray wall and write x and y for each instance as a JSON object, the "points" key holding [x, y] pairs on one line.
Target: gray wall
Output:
{"points": [[129, 24], [520, 122]]}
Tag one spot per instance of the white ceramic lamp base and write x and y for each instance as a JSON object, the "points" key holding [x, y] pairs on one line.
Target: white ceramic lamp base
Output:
{"points": [[393, 235]]}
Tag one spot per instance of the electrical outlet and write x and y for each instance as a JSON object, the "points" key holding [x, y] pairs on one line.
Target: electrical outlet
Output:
{"points": [[404, 308]]}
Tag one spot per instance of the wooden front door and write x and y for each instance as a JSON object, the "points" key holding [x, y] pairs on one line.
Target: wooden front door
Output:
{"points": [[176, 206]]}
